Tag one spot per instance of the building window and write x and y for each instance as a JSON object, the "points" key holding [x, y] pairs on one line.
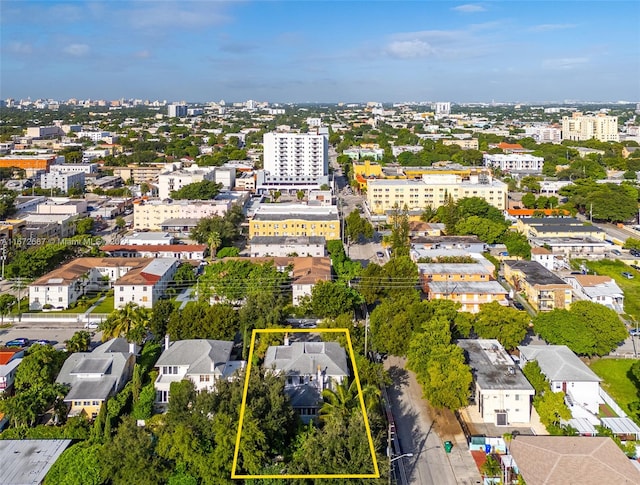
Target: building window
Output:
{"points": [[144, 288], [517, 397]]}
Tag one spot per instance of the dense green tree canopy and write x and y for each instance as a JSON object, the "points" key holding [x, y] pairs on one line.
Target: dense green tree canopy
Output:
{"points": [[587, 328], [203, 190], [508, 325]]}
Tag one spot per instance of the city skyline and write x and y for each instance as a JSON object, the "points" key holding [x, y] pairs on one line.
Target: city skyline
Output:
{"points": [[533, 51]]}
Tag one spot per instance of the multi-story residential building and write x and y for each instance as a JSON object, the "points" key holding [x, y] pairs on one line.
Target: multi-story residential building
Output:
{"points": [[470, 294], [151, 214], [44, 131], [310, 368], [598, 289], [586, 127], [296, 155], [453, 272], [501, 392], [295, 220], [433, 191], [74, 168], [177, 110], [544, 134], [203, 362], [514, 162], [194, 252], [93, 377], [287, 246], [62, 181], [170, 181], [358, 153], [464, 143], [544, 290], [139, 173], [97, 135], [139, 280]]}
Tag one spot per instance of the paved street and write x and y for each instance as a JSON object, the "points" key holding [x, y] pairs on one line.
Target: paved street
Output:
{"points": [[430, 464]]}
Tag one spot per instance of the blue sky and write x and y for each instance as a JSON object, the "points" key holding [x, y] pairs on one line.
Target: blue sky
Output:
{"points": [[331, 51]]}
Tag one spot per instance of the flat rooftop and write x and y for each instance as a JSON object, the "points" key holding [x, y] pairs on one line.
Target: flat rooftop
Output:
{"points": [[26, 462], [492, 367], [535, 273]]}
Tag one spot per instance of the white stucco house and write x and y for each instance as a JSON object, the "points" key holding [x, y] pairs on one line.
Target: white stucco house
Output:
{"points": [[598, 289], [502, 393], [202, 361], [566, 372]]}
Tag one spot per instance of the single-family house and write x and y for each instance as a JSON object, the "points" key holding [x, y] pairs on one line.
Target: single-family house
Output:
{"points": [[566, 372], [501, 392], [10, 359], [95, 376], [598, 289], [310, 368], [555, 460], [202, 361]]}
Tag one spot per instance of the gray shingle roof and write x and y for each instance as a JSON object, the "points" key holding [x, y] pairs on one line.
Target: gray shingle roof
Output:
{"points": [[201, 355], [303, 358], [559, 363]]}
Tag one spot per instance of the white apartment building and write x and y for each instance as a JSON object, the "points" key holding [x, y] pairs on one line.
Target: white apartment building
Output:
{"points": [[296, 155], [513, 162], [544, 134], [585, 127], [94, 135], [442, 108], [177, 110], [151, 214], [44, 131], [433, 190], [74, 168], [501, 392], [145, 284], [170, 181], [62, 181]]}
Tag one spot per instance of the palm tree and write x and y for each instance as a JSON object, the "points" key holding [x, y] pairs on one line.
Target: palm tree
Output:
{"points": [[131, 321], [79, 342], [214, 243], [344, 401]]}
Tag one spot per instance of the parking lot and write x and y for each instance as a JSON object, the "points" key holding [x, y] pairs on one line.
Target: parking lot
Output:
{"points": [[56, 334]]}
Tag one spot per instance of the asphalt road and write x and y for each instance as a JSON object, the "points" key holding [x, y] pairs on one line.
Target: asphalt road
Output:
{"points": [[414, 429]]}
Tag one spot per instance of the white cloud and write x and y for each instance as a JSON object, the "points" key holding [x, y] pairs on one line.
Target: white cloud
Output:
{"points": [[76, 50], [406, 49], [469, 8], [564, 63], [20, 48], [550, 27]]}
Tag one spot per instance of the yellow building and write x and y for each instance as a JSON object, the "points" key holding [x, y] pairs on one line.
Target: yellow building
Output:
{"points": [[367, 168], [586, 127], [139, 173], [544, 290], [434, 190], [470, 294], [295, 220], [453, 272], [465, 144]]}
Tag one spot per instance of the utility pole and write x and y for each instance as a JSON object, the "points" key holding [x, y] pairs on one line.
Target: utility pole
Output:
{"points": [[3, 256]]}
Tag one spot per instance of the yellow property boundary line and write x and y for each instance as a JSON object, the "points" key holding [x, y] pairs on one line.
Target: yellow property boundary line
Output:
{"points": [[243, 406]]}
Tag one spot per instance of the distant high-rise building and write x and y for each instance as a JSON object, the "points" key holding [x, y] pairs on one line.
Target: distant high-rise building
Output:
{"points": [[581, 128], [177, 110], [296, 154], [443, 108]]}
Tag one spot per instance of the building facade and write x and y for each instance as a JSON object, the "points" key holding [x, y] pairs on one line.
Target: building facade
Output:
{"points": [[63, 181], [514, 162], [296, 155], [170, 181], [544, 290], [295, 220], [433, 191], [586, 127]]}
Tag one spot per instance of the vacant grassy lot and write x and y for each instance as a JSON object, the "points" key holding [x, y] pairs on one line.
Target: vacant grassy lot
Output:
{"points": [[631, 288], [616, 382]]}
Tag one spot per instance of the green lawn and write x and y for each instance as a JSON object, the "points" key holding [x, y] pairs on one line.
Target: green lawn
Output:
{"points": [[105, 306], [616, 383], [631, 288]]}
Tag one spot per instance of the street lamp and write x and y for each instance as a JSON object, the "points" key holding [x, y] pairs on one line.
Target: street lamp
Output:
{"points": [[401, 456]]}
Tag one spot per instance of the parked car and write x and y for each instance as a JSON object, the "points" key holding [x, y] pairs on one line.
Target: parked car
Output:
{"points": [[91, 325], [636, 267], [41, 341], [18, 342], [616, 252], [635, 252], [518, 305], [627, 275], [634, 332]]}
